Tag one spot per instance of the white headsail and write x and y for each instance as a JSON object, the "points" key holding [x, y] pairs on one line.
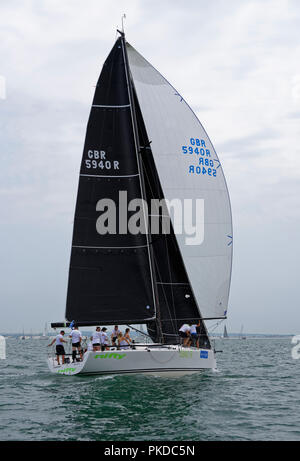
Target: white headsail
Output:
{"points": [[188, 168]]}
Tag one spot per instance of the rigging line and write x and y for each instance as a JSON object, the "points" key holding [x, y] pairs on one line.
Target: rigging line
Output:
{"points": [[153, 180], [170, 275], [158, 187], [171, 311], [170, 308], [213, 327], [142, 332], [164, 361], [134, 129]]}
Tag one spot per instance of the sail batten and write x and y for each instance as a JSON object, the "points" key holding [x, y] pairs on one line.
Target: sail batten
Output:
{"points": [[111, 106], [110, 176]]}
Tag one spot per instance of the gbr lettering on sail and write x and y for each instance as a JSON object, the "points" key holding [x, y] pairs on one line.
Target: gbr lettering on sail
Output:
{"points": [[97, 160]]}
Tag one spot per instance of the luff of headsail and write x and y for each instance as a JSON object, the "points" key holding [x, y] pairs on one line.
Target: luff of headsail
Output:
{"points": [[110, 278], [188, 168]]}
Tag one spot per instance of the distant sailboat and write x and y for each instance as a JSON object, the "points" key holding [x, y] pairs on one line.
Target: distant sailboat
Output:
{"points": [[2, 348], [241, 333], [45, 333], [143, 139], [225, 334]]}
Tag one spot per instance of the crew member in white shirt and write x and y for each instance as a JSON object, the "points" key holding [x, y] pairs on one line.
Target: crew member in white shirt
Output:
{"points": [[60, 350], [193, 335], [104, 339], [184, 332], [114, 335], [96, 339], [76, 343]]}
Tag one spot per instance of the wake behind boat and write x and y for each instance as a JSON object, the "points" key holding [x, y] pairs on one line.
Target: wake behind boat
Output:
{"points": [[137, 256]]}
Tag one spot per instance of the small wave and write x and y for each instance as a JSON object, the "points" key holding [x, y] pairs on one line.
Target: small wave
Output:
{"points": [[216, 370], [105, 377]]}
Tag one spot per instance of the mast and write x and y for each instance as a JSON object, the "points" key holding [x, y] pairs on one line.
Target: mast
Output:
{"points": [[142, 182]]}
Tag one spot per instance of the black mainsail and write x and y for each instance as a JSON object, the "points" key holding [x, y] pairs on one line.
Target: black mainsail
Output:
{"points": [[110, 277]]}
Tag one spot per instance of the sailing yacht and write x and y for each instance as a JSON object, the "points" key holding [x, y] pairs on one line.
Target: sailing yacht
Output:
{"points": [[242, 336], [143, 142], [225, 334], [45, 333], [2, 348]]}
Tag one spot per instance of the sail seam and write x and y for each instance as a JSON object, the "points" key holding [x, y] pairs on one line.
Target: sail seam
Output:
{"points": [[83, 246], [111, 107], [110, 176], [171, 283]]}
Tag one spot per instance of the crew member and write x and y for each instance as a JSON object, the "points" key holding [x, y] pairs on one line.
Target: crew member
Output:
{"points": [[104, 339], [114, 335], [184, 332], [96, 339], [76, 342], [60, 350]]}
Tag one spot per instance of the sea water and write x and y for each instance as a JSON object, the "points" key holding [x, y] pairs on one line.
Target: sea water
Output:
{"points": [[253, 395]]}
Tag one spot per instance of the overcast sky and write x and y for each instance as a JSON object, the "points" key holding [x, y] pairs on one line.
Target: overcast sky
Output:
{"points": [[236, 62]]}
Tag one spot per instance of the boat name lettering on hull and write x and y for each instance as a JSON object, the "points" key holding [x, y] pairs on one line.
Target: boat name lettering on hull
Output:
{"points": [[67, 370], [186, 354], [110, 356]]}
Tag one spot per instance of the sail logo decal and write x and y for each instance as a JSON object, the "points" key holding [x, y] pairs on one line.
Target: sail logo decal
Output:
{"points": [[205, 164], [203, 354], [113, 355]]}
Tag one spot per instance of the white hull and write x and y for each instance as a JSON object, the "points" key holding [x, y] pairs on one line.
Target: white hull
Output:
{"points": [[172, 361]]}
